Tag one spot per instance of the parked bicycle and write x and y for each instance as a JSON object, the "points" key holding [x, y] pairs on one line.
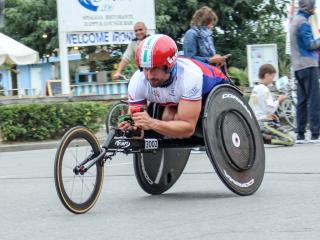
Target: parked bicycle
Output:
{"points": [[118, 109], [287, 109]]}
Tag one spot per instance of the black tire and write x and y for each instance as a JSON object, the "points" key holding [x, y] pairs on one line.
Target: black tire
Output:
{"points": [[233, 140], [116, 110], [78, 193]]}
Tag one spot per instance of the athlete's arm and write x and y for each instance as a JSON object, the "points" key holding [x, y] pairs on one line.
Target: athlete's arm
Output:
{"points": [[182, 126]]}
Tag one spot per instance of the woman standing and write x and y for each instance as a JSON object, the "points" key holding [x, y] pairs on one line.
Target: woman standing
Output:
{"points": [[198, 41]]}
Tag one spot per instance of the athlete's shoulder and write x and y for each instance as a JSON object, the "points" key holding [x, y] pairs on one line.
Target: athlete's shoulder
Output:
{"points": [[188, 65], [137, 75], [137, 87], [137, 80]]}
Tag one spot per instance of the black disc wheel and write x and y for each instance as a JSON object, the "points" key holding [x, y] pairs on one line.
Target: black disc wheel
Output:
{"points": [[116, 110], [233, 140], [157, 172], [77, 189]]}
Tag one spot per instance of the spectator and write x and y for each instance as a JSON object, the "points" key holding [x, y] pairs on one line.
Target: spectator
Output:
{"points": [[140, 31], [198, 41], [264, 107], [304, 58]]}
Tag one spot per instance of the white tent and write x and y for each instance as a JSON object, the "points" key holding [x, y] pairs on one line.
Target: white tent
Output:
{"points": [[14, 52]]}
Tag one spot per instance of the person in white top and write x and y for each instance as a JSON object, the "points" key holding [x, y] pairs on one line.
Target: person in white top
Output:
{"points": [[261, 99], [264, 106]]}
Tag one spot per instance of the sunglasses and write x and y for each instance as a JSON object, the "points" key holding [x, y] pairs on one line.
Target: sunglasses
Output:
{"points": [[138, 30]]}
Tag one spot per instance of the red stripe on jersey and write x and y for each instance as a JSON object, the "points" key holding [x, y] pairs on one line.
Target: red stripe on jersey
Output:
{"points": [[140, 103], [219, 73], [204, 67], [208, 70]]}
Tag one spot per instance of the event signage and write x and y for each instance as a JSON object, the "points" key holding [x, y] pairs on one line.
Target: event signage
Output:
{"points": [[257, 55], [80, 39], [98, 22], [102, 15]]}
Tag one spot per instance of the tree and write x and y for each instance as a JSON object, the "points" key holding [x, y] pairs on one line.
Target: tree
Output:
{"points": [[241, 22], [33, 23]]}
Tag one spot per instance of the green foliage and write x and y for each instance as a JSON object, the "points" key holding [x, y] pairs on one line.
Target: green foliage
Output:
{"points": [[28, 20], [284, 66], [112, 51], [241, 22], [47, 121], [239, 76]]}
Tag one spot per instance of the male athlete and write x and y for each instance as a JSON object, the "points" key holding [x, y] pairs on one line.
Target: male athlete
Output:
{"points": [[176, 83]]}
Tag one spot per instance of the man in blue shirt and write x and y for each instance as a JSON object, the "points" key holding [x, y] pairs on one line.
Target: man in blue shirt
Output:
{"points": [[304, 58]]}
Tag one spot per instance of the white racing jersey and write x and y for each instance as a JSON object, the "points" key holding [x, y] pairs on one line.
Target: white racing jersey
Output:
{"points": [[189, 80]]}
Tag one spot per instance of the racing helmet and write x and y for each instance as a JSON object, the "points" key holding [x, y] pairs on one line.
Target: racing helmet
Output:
{"points": [[156, 51]]}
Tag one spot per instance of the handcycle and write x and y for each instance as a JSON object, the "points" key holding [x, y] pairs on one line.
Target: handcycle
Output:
{"points": [[227, 128]]}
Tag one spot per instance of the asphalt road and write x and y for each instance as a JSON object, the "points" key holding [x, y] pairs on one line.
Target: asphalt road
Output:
{"points": [[198, 206]]}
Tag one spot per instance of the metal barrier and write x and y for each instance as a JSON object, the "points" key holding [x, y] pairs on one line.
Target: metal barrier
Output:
{"points": [[20, 92], [109, 88]]}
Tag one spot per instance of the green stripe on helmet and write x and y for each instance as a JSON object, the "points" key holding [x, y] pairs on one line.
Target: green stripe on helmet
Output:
{"points": [[147, 51]]}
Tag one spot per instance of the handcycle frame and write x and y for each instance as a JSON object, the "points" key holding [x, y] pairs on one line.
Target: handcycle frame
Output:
{"points": [[131, 145], [228, 130]]}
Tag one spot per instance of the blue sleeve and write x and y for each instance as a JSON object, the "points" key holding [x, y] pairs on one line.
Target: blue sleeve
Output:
{"points": [[306, 37], [190, 47]]}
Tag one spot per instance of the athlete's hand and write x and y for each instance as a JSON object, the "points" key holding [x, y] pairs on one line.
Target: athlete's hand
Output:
{"points": [[143, 120], [125, 126]]}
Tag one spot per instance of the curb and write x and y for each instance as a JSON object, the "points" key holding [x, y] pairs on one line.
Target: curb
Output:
{"points": [[16, 147], [47, 144]]}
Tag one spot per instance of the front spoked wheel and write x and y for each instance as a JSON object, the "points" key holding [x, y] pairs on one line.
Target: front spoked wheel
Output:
{"points": [[78, 190]]}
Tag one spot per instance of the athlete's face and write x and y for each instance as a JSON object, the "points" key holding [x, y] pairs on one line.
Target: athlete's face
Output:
{"points": [[156, 76]]}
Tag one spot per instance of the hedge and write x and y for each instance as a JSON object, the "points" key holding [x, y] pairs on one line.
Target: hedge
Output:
{"points": [[48, 121]]}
